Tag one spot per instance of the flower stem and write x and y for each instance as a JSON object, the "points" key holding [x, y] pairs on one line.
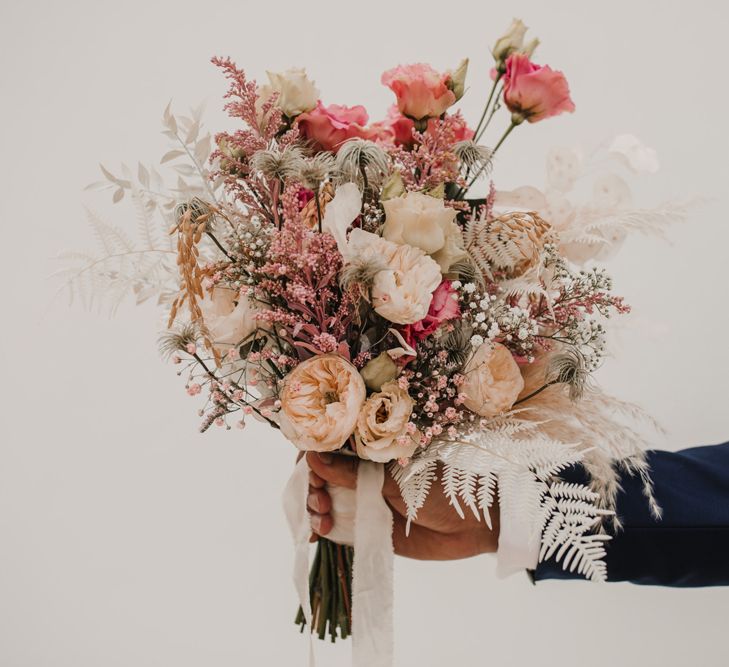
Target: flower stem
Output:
{"points": [[318, 208], [494, 109], [330, 591], [488, 104], [503, 137]]}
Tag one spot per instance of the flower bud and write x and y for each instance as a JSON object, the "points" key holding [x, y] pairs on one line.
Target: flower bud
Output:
{"points": [[394, 187], [457, 80], [509, 42], [379, 371], [513, 42]]}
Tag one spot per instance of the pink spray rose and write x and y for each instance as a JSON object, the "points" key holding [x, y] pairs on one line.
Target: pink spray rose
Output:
{"points": [[421, 91], [396, 128], [329, 127], [534, 92], [399, 129], [443, 307]]}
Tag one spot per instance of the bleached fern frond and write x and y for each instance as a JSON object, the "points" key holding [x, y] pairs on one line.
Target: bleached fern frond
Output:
{"points": [[414, 484], [516, 456], [570, 514]]}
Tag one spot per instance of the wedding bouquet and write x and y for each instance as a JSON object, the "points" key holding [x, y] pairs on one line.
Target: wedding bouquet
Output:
{"points": [[332, 278]]}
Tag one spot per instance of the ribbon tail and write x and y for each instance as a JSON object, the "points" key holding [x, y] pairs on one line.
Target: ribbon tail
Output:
{"points": [[372, 575], [294, 503]]}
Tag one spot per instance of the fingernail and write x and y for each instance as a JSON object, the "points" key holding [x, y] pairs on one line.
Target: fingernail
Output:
{"points": [[313, 501], [316, 522], [326, 458]]}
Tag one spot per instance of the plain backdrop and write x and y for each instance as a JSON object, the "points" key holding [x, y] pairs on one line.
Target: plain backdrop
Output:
{"points": [[127, 539]]}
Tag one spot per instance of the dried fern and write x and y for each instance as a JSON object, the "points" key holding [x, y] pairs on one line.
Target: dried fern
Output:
{"points": [[510, 244], [143, 266]]}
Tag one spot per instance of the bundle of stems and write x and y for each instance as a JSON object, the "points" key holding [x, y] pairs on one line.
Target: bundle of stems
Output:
{"points": [[330, 591]]}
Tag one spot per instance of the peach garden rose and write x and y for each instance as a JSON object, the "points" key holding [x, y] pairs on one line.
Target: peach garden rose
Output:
{"points": [[493, 380], [320, 403], [382, 427]]}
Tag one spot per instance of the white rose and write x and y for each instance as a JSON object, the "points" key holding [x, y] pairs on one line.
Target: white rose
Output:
{"points": [[493, 380], [229, 316], [296, 93], [424, 222], [402, 291], [381, 427]]}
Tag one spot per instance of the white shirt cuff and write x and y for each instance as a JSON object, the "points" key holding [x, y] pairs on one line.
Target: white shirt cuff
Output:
{"points": [[519, 542]]}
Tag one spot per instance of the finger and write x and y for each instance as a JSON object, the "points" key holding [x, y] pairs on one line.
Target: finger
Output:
{"points": [[321, 524], [315, 481], [319, 501], [333, 469]]}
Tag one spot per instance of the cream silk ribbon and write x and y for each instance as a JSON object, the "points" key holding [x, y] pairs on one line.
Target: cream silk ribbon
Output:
{"points": [[372, 578]]}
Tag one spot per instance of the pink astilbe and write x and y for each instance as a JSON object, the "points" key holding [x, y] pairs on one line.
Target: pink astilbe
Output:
{"points": [[308, 311], [263, 125], [264, 121], [431, 161]]}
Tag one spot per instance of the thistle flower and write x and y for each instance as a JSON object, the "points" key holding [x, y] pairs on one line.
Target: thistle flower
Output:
{"points": [[278, 164], [569, 367], [363, 162], [314, 171], [178, 340], [474, 157], [361, 271], [456, 344], [199, 212]]}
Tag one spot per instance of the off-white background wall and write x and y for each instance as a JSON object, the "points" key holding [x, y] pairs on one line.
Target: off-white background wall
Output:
{"points": [[128, 540]]}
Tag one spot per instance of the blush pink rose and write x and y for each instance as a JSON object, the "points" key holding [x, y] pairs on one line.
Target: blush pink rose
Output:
{"points": [[329, 127], [421, 91], [443, 307], [535, 92], [398, 129]]}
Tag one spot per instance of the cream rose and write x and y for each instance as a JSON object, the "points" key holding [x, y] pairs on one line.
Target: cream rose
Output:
{"points": [[296, 93], [320, 402], [493, 380], [426, 223], [403, 288], [381, 433], [229, 316]]}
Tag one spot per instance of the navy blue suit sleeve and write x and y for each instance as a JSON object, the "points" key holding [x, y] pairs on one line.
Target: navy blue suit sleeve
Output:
{"points": [[689, 545]]}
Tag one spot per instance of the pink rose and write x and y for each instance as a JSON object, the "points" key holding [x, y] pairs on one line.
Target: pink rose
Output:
{"points": [[396, 128], [421, 91], [329, 127], [533, 92], [399, 129], [443, 307]]}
